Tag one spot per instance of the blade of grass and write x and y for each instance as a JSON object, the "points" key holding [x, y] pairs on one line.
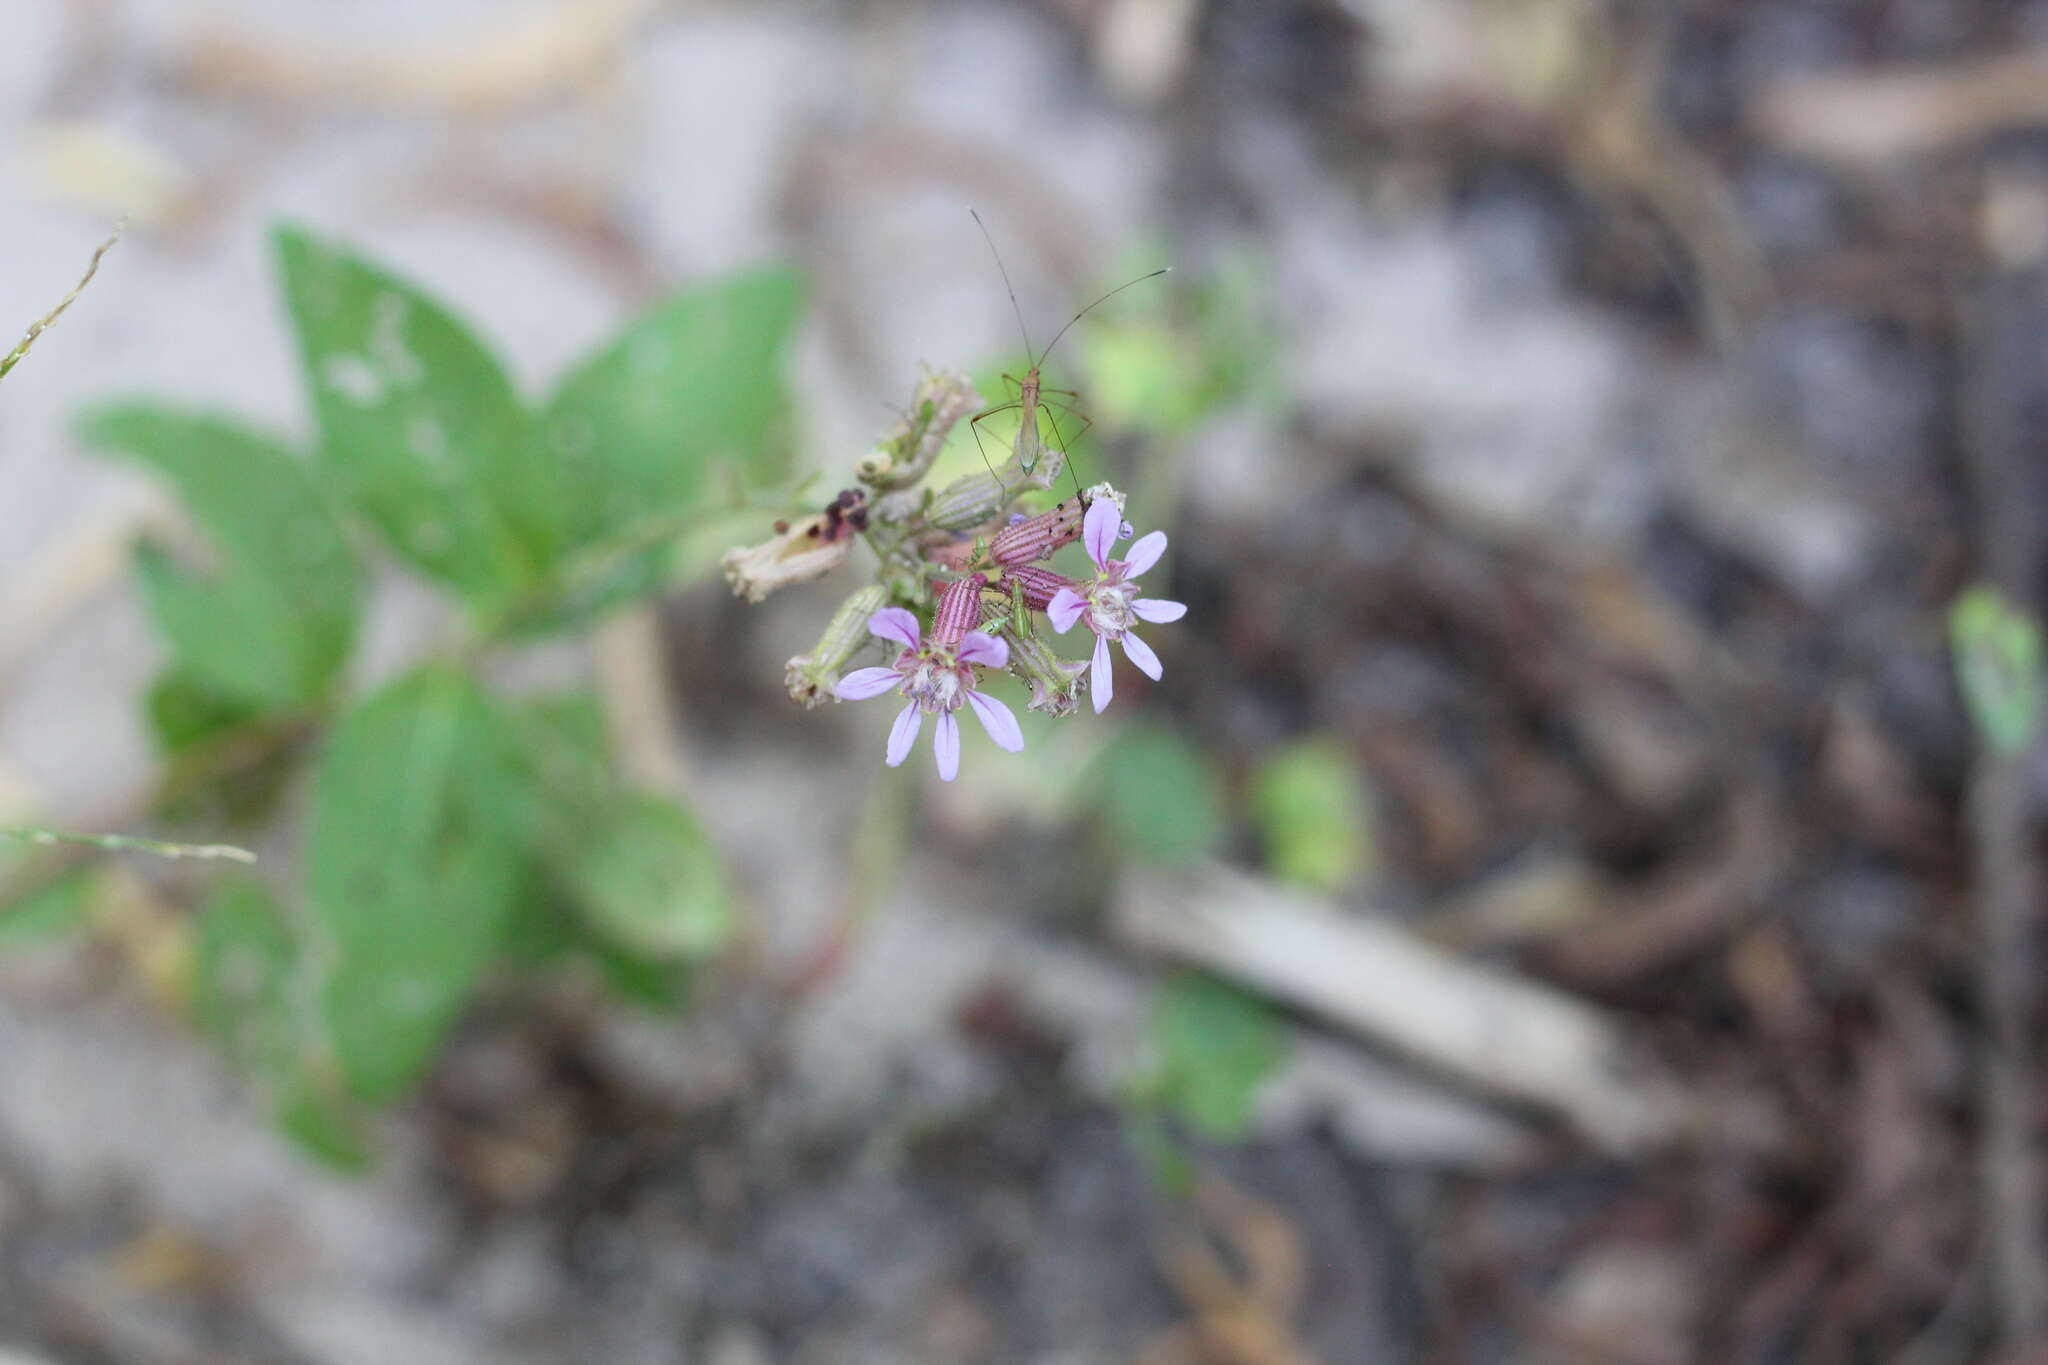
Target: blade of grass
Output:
{"points": [[42, 324], [125, 843]]}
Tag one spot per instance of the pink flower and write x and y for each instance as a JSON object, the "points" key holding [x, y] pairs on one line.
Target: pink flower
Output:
{"points": [[938, 677], [1110, 603]]}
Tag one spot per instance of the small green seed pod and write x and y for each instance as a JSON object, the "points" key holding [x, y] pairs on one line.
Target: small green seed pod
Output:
{"points": [[811, 677]]}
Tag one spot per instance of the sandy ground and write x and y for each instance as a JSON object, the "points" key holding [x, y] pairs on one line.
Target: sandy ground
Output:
{"points": [[732, 1186]]}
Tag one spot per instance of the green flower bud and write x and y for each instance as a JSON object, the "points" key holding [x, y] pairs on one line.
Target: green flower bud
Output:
{"points": [[978, 499], [811, 677], [1056, 683], [905, 454]]}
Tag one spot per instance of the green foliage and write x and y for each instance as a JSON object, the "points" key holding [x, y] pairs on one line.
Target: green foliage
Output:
{"points": [[1311, 811], [52, 912], [184, 713], [1997, 650], [692, 390], [273, 626], [1161, 801], [637, 866], [416, 854], [450, 831], [651, 880], [1216, 1046], [544, 516], [244, 957], [694, 384], [252, 993], [420, 429]]}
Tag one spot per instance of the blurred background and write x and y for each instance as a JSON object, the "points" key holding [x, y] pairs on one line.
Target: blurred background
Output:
{"points": [[1573, 897]]}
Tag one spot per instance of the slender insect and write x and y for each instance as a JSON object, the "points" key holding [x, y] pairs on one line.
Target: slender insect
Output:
{"points": [[1029, 446]]}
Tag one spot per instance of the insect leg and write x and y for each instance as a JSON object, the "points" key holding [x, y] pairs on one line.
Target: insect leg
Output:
{"points": [[974, 425], [1066, 446]]}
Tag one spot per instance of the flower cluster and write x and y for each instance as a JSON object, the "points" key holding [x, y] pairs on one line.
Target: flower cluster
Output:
{"points": [[966, 559]]}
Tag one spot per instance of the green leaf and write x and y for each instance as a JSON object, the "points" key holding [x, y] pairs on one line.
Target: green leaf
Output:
{"points": [[642, 982], [272, 626], [1167, 1162], [246, 956], [324, 1123], [47, 914], [1997, 651], [253, 995], [1161, 800], [1216, 1045], [229, 763], [651, 881], [638, 866], [419, 426], [565, 735], [639, 426], [596, 584], [549, 928], [1311, 808], [185, 713], [416, 859]]}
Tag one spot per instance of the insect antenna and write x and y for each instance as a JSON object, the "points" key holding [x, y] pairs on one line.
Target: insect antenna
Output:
{"points": [[1037, 360], [1022, 330], [1073, 463], [1093, 306]]}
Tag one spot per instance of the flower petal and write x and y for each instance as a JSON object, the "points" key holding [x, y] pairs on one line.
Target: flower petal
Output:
{"points": [[1064, 609], [1099, 528], [903, 733], [1158, 610], [1101, 684], [999, 721], [946, 746], [863, 683], [1144, 553], [894, 623], [1140, 653], [980, 647]]}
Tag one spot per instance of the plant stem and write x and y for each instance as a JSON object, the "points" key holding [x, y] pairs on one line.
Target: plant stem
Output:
{"points": [[127, 843]]}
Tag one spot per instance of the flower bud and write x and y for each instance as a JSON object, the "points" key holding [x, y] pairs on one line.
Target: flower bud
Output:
{"points": [[800, 551], [959, 609], [1056, 683], [1036, 537], [1037, 586], [812, 677], [794, 556], [905, 454], [980, 498]]}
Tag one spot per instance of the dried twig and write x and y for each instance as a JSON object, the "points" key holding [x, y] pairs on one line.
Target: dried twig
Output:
{"points": [[1871, 120], [554, 52], [1699, 903], [1241, 1317], [647, 735], [1507, 1035]]}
